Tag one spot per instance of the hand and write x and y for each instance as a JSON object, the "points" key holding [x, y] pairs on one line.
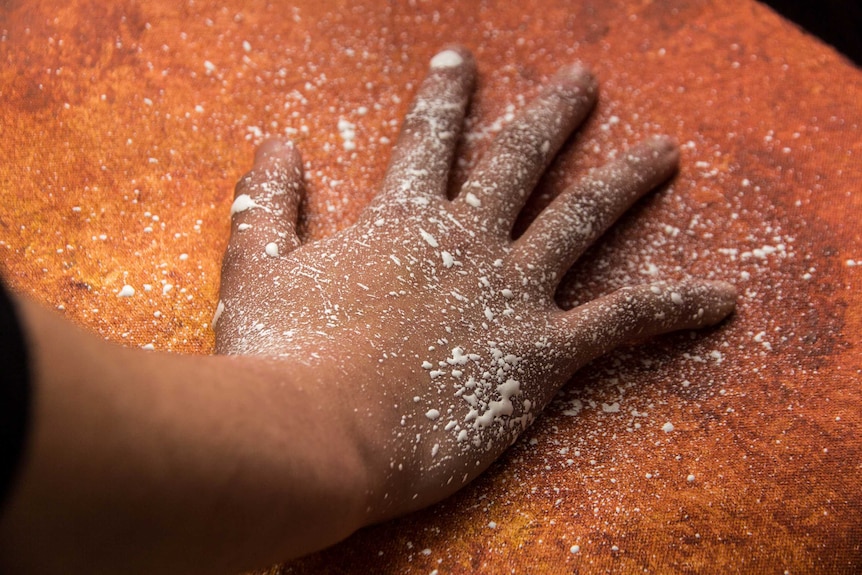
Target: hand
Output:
{"points": [[436, 331]]}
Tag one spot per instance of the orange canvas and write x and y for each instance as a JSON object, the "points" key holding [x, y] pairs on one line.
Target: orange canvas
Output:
{"points": [[735, 450]]}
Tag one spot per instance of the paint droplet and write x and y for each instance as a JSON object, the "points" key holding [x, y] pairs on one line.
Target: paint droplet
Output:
{"points": [[242, 203], [429, 239], [219, 310], [471, 199], [447, 59]]}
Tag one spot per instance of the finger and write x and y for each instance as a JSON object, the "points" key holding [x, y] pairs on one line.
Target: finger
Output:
{"points": [[266, 205], [597, 327], [500, 184], [422, 156], [582, 213]]}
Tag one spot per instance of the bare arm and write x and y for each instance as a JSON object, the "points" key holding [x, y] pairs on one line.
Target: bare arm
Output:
{"points": [[150, 462]]}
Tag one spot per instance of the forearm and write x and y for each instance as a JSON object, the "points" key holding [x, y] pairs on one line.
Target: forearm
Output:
{"points": [[146, 461]]}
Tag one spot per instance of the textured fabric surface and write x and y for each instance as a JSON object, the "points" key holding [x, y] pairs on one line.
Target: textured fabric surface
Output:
{"points": [[737, 450]]}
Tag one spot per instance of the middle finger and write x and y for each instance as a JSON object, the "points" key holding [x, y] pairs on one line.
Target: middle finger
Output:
{"points": [[499, 185]]}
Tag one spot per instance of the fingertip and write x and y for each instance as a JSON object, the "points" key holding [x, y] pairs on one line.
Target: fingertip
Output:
{"points": [[453, 56], [725, 295], [665, 146], [658, 154], [277, 149], [579, 78], [713, 300]]}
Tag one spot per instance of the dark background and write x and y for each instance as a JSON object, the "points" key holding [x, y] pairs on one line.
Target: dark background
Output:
{"points": [[837, 22]]}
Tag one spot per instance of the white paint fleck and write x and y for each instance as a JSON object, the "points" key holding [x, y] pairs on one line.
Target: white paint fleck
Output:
{"points": [[219, 310], [575, 408], [242, 203], [458, 357], [271, 249], [126, 291], [667, 427], [429, 239], [446, 59]]}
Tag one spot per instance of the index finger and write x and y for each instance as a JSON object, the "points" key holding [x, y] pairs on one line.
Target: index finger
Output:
{"points": [[423, 154]]}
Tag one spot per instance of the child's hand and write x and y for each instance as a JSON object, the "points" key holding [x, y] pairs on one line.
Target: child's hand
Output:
{"points": [[437, 331]]}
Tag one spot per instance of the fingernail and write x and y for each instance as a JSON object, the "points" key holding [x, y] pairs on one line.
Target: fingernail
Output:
{"points": [[727, 291], [577, 76], [726, 295], [273, 147], [664, 146], [664, 143], [446, 59]]}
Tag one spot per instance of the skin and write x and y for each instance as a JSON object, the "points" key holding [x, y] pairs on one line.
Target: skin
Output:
{"points": [[359, 377]]}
